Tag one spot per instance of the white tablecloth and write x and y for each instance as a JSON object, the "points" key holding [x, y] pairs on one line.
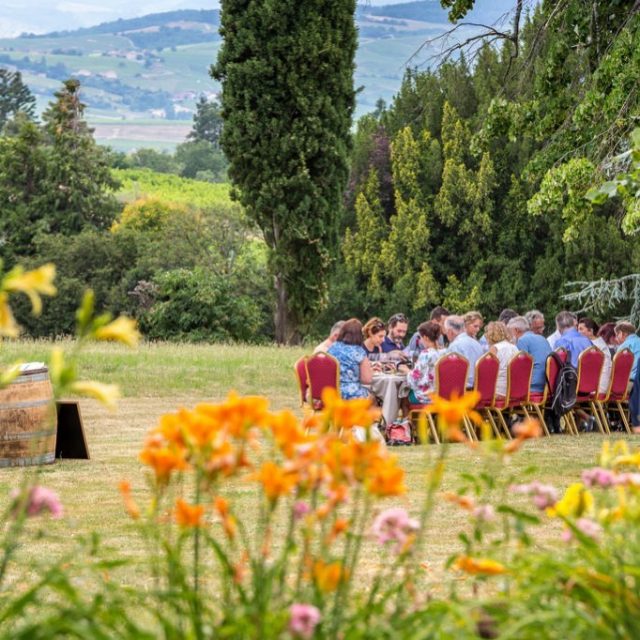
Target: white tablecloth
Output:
{"points": [[386, 386]]}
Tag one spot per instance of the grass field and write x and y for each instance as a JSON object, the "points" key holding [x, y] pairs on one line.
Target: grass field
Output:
{"points": [[159, 378]]}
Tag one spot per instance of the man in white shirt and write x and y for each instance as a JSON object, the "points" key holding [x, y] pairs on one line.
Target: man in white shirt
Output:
{"points": [[462, 343]]}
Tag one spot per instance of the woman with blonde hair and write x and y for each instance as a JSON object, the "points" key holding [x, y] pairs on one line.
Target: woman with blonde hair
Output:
{"points": [[473, 322], [499, 341]]}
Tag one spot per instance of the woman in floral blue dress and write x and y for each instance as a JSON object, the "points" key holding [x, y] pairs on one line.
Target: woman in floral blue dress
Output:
{"points": [[422, 378], [355, 368]]}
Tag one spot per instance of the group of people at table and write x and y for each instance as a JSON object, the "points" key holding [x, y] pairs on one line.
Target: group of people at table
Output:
{"points": [[376, 347]]}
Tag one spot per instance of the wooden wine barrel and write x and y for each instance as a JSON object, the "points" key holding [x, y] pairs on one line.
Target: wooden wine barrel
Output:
{"points": [[27, 420]]}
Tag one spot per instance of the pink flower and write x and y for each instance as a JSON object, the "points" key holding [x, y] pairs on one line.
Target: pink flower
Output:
{"points": [[303, 619], [597, 476], [394, 525], [300, 510], [484, 513], [629, 479], [40, 499], [544, 495], [587, 526]]}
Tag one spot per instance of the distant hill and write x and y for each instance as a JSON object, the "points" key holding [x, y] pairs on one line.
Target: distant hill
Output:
{"points": [[151, 70]]}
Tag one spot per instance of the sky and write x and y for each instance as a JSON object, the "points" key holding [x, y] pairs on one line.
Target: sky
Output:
{"points": [[41, 16]]}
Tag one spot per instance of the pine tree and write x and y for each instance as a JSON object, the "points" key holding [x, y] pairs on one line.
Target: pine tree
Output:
{"points": [[79, 182], [287, 100], [14, 96]]}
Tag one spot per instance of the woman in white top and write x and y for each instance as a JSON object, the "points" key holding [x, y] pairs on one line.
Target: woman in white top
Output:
{"points": [[588, 328], [499, 340]]}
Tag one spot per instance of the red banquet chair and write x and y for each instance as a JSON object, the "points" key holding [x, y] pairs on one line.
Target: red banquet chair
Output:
{"points": [[590, 363], [518, 389], [487, 368], [617, 395], [451, 379], [323, 371], [300, 369]]}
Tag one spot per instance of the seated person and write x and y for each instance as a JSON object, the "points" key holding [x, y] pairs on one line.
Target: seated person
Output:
{"points": [[374, 332], [393, 344], [422, 377], [587, 327], [627, 339], [460, 342], [607, 332], [535, 319], [473, 322], [438, 314], [570, 338], [355, 368], [536, 346], [499, 341], [333, 336]]}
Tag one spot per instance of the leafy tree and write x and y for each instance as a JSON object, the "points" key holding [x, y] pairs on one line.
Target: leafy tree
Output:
{"points": [[14, 96], [287, 76], [200, 156], [158, 161], [207, 122]]}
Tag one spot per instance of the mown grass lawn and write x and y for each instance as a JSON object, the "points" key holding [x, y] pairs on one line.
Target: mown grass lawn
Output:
{"points": [[159, 378]]}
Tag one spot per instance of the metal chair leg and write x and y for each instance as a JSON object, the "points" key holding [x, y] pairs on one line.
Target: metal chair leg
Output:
{"points": [[538, 410], [623, 415]]}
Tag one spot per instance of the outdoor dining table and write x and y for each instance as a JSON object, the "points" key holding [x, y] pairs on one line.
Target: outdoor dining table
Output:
{"points": [[386, 386]]}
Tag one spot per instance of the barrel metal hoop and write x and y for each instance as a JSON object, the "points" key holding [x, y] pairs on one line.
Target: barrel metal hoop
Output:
{"points": [[46, 458], [26, 404], [26, 435]]}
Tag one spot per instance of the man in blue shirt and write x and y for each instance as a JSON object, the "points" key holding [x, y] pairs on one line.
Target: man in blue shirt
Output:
{"points": [[628, 339], [570, 338], [461, 342], [397, 328], [536, 346]]}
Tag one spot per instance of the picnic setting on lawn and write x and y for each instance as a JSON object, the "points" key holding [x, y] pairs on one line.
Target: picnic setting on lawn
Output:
{"points": [[328, 369]]}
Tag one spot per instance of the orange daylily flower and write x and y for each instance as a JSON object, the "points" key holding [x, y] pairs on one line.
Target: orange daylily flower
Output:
{"points": [[328, 575], [275, 480], [358, 412], [386, 479], [464, 502], [188, 515], [221, 505], [479, 566], [452, 412], [238, 414], [287, 432], [164, 461], [129, 503], [530, 428]]}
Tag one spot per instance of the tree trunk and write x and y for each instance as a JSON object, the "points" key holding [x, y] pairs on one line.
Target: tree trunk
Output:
{"points": [[286, 327]]}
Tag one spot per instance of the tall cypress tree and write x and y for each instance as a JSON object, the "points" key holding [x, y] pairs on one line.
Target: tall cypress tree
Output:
{"points": [[287, 101]]}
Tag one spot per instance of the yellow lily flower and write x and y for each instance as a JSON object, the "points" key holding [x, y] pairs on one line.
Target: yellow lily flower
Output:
{"points": [[34, 283], [8, 375], [107, 394], [576, 502], [8, 325], [122, 329]]}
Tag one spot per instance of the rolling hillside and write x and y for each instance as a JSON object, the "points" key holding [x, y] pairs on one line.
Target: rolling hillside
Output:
{"points": [[142, 76]]}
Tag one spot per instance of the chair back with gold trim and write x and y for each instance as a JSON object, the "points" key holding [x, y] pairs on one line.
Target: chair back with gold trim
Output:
{"points": [[323, 371], [300, 368], [451, 375], [487, 368], [620, 373], [590, 363], [519, 372]]}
